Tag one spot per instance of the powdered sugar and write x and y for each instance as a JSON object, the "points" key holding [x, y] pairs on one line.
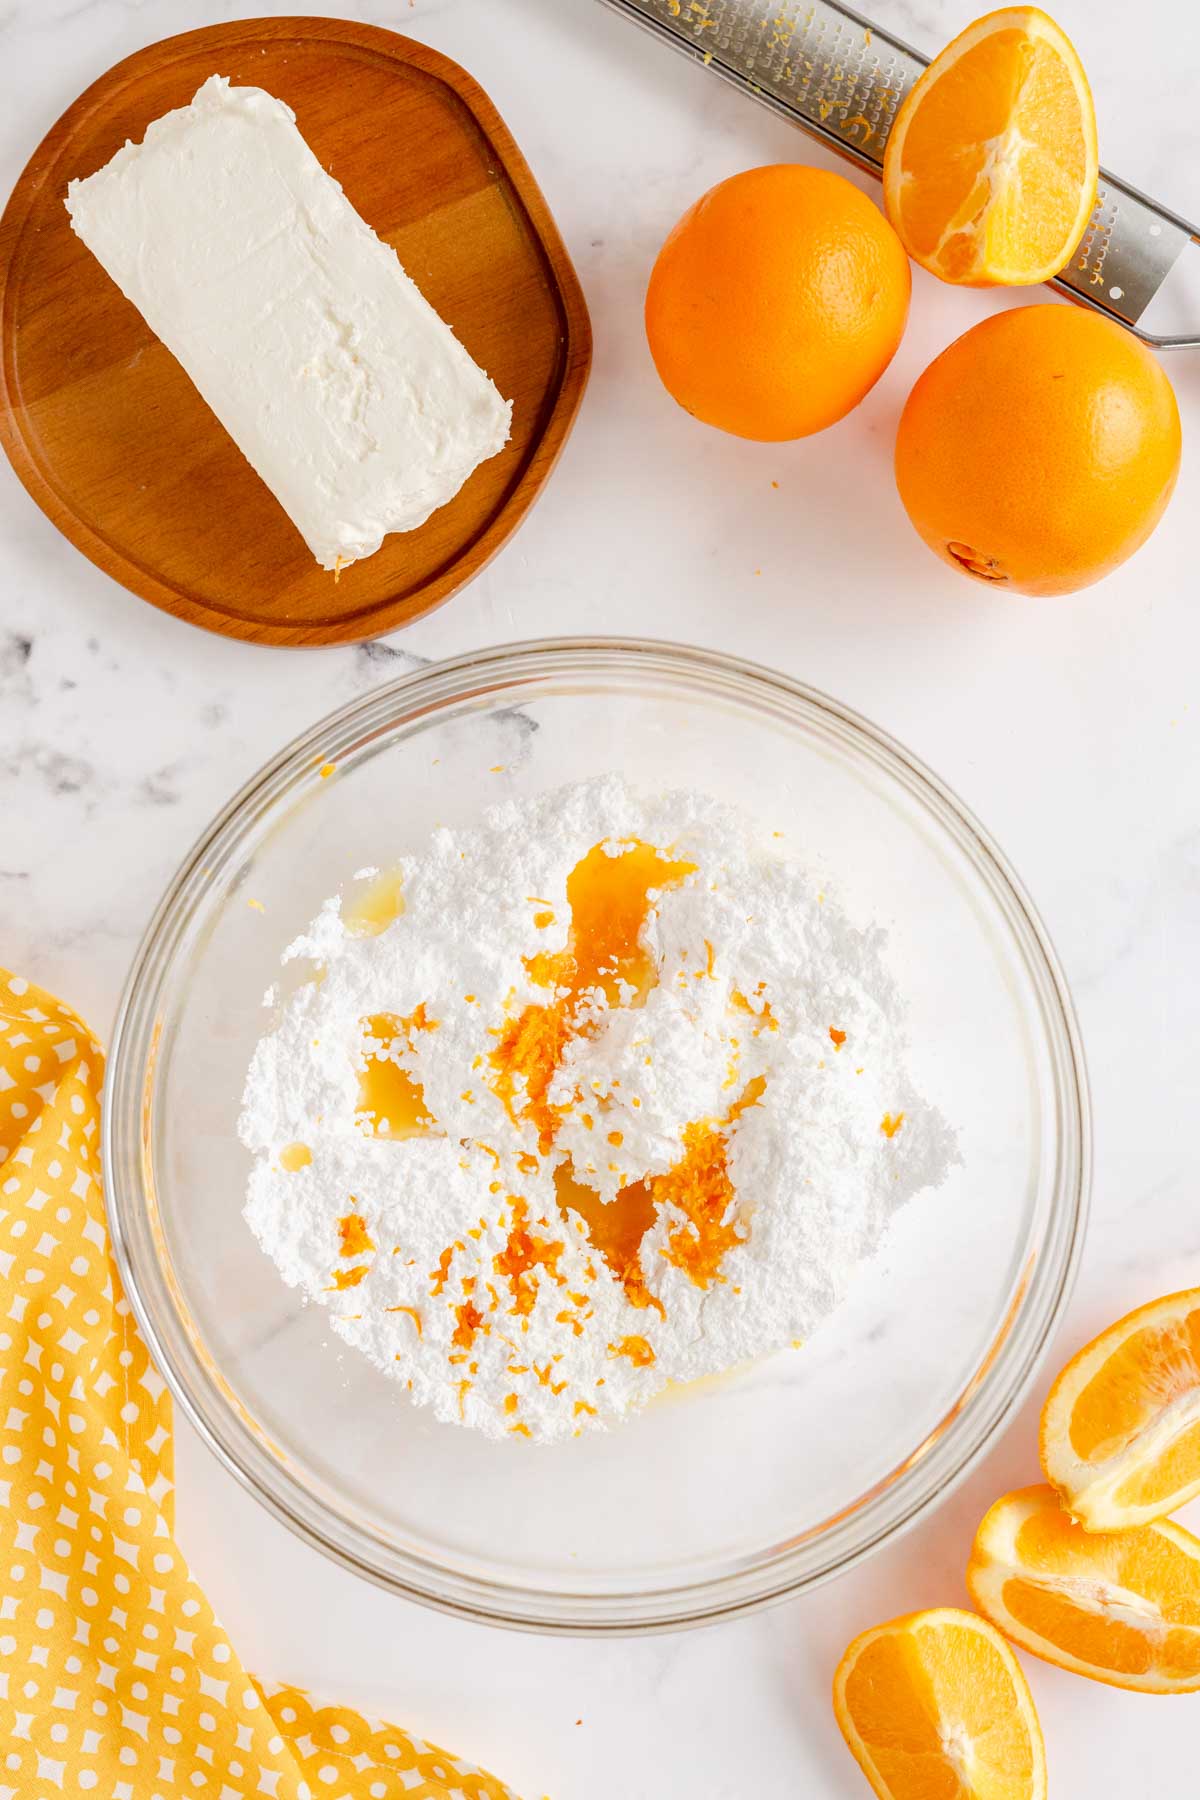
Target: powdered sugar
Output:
{"points": [[742, 1099]]}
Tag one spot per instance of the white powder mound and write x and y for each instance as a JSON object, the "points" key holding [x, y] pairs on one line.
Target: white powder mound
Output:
{"points": [[757, 1091]]}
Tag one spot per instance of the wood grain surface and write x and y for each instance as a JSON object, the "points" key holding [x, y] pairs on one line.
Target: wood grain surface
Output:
{"points": [[117, 447]]}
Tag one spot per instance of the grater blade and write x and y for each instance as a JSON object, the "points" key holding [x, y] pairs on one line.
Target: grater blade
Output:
{"points": [[841, 79]]}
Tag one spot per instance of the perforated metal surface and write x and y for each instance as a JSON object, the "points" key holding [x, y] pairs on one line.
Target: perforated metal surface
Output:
{"points": [[841, 78]]}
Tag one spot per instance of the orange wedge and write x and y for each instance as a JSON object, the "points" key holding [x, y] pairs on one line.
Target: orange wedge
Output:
{"points": [[989, 176], [1120, 1436], [1123, 1608], [934, 1707]]}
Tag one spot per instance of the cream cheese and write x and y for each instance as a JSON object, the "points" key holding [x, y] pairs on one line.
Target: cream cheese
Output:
{"points": [[337, 380]]}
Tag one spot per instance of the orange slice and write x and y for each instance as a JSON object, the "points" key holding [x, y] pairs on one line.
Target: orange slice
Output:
{"points": [[989, 176], [1120, 1436], [934, 1707], [1122, 1608]]}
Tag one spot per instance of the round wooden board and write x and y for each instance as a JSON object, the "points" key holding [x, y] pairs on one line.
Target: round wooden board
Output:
{"points": [[117, 447]]}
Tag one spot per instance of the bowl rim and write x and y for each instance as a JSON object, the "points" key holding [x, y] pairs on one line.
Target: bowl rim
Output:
{"points": [[990, 1396]]}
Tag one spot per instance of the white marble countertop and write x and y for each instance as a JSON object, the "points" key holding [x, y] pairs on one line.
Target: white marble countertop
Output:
{"points": [[1071, 727]]}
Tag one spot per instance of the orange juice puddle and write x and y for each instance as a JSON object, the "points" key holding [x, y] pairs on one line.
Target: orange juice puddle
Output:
{"points": [[609, 901], [390, 1100], [698, 1185], [674, 1392], [615, 1228], [376, 907]]}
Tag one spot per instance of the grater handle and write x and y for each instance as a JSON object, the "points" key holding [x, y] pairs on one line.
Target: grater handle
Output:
{"points": [[841, 79]]}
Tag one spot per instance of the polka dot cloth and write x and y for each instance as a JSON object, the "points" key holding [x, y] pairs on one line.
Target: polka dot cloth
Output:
{"points": [[115, 1678]]}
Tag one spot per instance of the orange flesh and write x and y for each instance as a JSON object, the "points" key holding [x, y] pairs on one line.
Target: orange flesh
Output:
{"points": [[294, 1156], [918, 1697], [982, 86], [1168, 1475], [1102, 1642], [639, 1352], [1126, 1602], [996, 159], [1148, 1371], [609, 898]]}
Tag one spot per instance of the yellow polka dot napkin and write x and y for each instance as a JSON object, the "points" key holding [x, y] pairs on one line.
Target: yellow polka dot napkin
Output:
{"points": [[116, 1679]]}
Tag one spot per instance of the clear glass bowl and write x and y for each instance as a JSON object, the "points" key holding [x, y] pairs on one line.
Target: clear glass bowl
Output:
{"points": [[717, 1500]]}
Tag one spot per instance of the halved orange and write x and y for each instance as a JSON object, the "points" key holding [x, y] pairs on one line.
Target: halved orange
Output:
{"points": [[1120, 1435], [934, 1706], [1122, 1608], [989, 176]]}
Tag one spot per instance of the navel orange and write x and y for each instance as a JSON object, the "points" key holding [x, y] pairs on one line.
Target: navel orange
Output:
{"points": [[1123, 1607], [989, 175], [934, 1706], [1039, 450], [1120, 1435], [777, 301]]}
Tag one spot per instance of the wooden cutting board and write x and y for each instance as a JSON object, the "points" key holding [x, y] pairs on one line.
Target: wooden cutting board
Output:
{"points": [[117, 447]]}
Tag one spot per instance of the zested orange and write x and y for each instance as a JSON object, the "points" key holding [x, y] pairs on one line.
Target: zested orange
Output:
{"points": [[934, 1706], [1123, 1607], [1120, 1433], [989, 176]]}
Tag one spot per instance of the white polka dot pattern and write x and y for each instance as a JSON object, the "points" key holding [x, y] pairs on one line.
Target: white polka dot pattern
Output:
{"points": [[115, 1678]]}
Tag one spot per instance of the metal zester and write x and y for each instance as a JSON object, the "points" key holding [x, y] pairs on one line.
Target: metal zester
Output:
{"points": [[841, 79]]}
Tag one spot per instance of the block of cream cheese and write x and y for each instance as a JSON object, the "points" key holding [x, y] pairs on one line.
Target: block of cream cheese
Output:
{"points": [[352, 399]]}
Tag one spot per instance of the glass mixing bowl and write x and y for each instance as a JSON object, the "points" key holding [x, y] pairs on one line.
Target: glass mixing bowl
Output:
{"points": [[712, 1501]]}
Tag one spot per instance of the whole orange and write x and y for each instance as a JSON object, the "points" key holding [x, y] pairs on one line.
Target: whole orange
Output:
{"points": [[777, 302], [1039, 450]]}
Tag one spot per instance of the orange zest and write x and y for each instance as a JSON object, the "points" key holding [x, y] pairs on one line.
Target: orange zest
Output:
{"points": [[934, 1706], [700, 1187], [523, 1256], [1122, 1607], [1120, 1431], [347, 1278], [441, 1274], [413, 1314], [469, 1320], [353, 1237], [990, 171]]}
